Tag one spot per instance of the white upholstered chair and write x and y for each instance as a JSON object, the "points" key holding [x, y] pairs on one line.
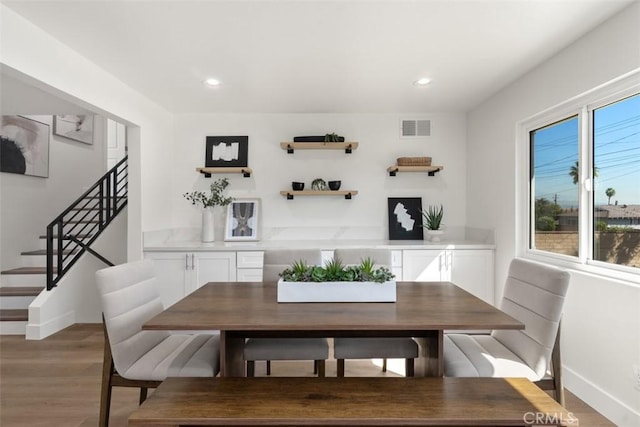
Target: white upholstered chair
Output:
{"points": [[372, 348], [534, 293], [268, 349], [137, 358]]}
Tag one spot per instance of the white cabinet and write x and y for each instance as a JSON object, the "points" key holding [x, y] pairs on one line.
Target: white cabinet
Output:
{"points": [[249, 265], [180, 273], [470, 269]]}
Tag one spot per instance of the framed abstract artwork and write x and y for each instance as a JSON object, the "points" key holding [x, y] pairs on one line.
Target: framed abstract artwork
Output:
{"points": [[227, 151], [24, 146], [405, 218], [242, 220], [78, 128]]}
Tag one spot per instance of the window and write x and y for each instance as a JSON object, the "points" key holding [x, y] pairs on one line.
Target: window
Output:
{"points": [[581, 194]]}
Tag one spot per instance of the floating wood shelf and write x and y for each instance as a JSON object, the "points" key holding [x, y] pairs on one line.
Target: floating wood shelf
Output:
{"points": [[246, 172], [348, 147], [346, 193], [431, 170]]}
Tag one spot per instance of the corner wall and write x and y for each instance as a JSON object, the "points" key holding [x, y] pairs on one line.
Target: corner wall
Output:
{"points": [[601, 326]]}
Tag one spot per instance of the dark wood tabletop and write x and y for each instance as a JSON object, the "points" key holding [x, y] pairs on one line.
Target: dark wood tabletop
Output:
{"points": [[243, 306], [241, 310]]}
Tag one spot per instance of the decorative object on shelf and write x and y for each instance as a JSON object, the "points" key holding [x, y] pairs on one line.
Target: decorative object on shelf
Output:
{"points": [[227, 151], [413, 161], [405, 218], [318, 184], [24, 146], [336, 282], [78, 128], [334, 185], [208, 202], [322, 138], [242, 220], [433, 221], [297, 186]]}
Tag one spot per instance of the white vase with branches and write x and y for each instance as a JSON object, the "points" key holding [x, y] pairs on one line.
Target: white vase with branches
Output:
{"points": [[208, 202]]}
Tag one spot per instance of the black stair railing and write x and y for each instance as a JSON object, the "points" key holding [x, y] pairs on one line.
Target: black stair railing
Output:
{"points": [[75, 229]]}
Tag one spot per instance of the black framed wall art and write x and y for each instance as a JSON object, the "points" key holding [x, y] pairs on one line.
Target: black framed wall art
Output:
{"points": [[227, 151], [405, 218]]}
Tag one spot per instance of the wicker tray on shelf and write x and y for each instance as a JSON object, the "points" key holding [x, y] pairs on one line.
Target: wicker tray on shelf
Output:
{"points": [[414, 161]]}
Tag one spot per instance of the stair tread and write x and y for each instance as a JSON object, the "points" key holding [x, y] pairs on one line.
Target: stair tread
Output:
{"points": [[28, 270], [79, 236], [44, 252], [14, 315], [20, 291]]}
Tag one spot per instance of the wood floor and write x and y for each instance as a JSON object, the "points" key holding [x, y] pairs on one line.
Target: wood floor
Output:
{"points": [[56, 381]]}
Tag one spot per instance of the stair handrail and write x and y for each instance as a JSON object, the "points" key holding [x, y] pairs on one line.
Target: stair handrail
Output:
{"points": [[82, 222]]}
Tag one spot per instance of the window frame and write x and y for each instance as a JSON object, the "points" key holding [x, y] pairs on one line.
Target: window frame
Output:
{"points": [[583, 107]]}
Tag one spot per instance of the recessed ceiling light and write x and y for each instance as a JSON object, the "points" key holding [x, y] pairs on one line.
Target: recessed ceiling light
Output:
{"points": [[211, 82], [422, 82]]}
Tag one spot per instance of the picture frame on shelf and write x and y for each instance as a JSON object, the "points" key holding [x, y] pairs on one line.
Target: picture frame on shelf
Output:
{"points": [[24, 146], [405, 218], [75, 127], [227, 151], [242, 220]]}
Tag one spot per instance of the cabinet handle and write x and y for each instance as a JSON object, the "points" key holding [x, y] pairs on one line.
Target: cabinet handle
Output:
{"points": [[193, 261], [186, 261]]}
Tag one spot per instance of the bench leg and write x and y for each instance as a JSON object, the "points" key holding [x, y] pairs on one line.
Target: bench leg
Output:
{"points": [[340, 368], [384, 365], [321, 368], [251, 368], [268, 367], [409, 368]]}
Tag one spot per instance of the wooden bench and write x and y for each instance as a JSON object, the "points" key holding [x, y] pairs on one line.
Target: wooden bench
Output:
{"points": [[350, 401]]}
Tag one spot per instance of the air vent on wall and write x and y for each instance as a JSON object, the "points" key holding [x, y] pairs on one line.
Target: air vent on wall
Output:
{"points": [[415, 128]]}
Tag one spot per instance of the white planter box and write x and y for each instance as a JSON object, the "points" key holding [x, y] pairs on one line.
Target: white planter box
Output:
{"points": [[336, 291]]}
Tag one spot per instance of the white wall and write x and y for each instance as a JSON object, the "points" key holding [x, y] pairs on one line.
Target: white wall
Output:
{"points": [[607, 334], [363, 170], [31, 52], [29, 203]]}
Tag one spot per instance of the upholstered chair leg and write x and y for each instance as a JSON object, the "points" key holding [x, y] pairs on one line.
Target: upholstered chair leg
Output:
{"points": [[251, 368], [321, 368], [340, 368], [384, 365], [556, 370], [107, 374], [409, 368], [143, 394]]}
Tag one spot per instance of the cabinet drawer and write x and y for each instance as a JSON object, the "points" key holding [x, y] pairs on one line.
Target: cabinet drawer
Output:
{"points": [[249, 259], [249, 275]]}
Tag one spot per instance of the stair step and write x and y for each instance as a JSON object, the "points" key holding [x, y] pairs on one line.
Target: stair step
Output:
{"points": [[28, 270], [20, 291], [14, 315], [41, 252]]}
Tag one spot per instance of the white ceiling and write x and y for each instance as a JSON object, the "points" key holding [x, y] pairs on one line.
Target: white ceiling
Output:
{"points": [[318, 56]]}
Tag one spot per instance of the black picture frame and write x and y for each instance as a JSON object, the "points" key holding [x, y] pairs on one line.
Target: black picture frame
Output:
{"points": [[227, 151], [405, 218]]}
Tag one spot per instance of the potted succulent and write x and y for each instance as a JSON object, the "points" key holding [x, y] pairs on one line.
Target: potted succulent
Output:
{"points": [[208, 202], [318, 184], [432, 221], [335, 282]]}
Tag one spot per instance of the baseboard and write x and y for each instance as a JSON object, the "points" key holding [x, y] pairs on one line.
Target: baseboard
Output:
{"points": [[50, 327], [616, 411]]}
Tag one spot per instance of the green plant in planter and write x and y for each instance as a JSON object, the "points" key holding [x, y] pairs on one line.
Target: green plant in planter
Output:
{"points": [[432, 217], [331, 137], [336, 271], [318, 184], [215, 196]]}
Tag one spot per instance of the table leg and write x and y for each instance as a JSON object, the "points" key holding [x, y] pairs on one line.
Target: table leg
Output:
{"points": [[430, 361], [231, 348]]}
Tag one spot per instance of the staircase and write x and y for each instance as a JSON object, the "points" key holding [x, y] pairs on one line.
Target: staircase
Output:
{"points": [[68, 237], [19, 287]]}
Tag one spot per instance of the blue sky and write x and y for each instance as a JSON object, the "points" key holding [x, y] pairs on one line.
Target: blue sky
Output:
{"points": [[617, 156]]}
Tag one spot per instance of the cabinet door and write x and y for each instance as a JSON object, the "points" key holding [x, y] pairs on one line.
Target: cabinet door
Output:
{"points": [[172, 274], [423, 265], [213, 267], [472, 270]]}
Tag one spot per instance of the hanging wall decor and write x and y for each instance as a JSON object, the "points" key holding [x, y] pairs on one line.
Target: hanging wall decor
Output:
{"points": [[227, 151], [24, 146], [78, 128]]}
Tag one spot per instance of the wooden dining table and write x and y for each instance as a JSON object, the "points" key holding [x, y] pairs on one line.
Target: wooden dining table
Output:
{"points": [[241, 310]]}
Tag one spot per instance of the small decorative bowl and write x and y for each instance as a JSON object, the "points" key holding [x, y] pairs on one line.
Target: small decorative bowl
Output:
{"points": [[334, 185], [297, 186]]}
